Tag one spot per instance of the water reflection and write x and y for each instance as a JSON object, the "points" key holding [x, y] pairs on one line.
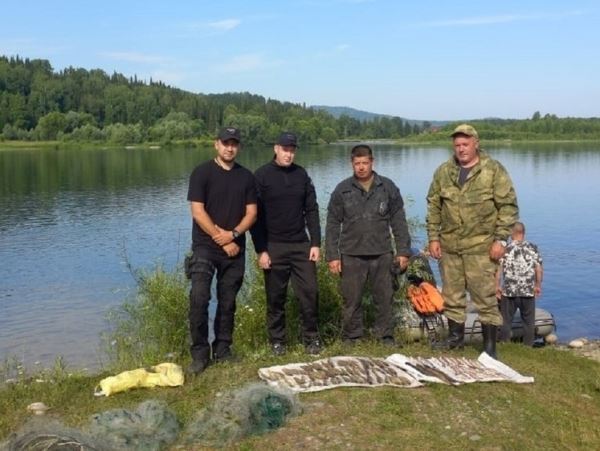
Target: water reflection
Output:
{"points": [[71, 218]]}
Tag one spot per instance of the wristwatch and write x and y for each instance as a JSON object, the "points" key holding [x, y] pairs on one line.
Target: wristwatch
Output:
{"points": [[502, 242], [235, 233]]}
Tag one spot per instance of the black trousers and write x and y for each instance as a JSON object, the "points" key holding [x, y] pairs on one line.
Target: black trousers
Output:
{"points": [[290, 261], [526, 306], [356, 270], [230, 274]]}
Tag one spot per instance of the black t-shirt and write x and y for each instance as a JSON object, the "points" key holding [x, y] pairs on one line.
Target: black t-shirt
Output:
{"points": [[225, 195]]}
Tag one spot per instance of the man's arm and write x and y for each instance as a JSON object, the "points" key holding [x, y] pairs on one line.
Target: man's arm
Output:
{"points": [[433, 219], [248, 219], [224, 237], [333, 227], [505, 200], [220, 236], [202, 218], [499, 282], [259, 229], [311, 214], [539, 276], [399, 227]]}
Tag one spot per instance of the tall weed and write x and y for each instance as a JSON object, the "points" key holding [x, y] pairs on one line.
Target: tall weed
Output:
{"points": [[152, 326]]}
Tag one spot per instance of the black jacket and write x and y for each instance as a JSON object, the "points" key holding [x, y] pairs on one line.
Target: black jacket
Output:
{"points": [[359, 222], [287, 206]]}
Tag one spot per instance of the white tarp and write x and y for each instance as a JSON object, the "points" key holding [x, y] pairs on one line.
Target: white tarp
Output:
{"points": [[396, 370]]}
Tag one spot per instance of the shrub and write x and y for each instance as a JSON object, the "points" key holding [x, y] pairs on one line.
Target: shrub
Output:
{"points": [[152, 327]]}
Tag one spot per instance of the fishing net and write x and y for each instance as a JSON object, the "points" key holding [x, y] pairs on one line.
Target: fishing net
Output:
{"points": [[41, 434], [152, 426], [254, 409]]}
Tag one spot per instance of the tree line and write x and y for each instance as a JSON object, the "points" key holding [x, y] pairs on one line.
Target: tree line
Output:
{"points": [[75, 104], [37, 103]]}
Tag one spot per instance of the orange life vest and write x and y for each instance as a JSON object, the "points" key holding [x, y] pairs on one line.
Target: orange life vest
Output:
{"points": [[425, 298]]}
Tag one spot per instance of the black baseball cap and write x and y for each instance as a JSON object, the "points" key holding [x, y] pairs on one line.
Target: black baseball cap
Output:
{"points": [[287, 139], [229, 133]]}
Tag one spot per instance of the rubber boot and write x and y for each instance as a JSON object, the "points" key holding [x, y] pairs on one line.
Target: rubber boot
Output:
{"points": [[456, 337], [489, 339]]}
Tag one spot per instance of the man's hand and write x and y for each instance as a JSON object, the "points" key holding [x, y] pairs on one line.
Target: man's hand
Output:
{"points": [[402, 262], [496, 251], [264, 260], [223, 237], [314, 254], [231, 249], [435, 250], [537, 291], [335, 266], [498, 293]]}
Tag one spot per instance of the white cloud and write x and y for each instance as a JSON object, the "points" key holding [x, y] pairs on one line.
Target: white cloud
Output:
{"points": [[29, 48], [342, 47], [488, 20], [168, 77], [134, 57], [241, 63], [225, 25]]}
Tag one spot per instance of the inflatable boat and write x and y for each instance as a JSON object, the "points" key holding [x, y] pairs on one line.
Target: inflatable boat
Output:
{"points": [[417, 328], [434, 326]]}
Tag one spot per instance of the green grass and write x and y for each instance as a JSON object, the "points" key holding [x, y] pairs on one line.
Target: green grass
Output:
{"points": [[561, 410]]}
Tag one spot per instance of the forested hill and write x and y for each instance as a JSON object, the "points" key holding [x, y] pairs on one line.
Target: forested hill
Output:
{"points": [[75, 104], [361, 115], [37, 103]]}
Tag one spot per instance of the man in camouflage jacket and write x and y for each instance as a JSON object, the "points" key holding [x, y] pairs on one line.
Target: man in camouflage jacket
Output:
{"points": [[471, 207]]}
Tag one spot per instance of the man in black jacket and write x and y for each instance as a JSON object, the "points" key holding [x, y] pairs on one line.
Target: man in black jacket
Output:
{"points": [[287, 206], [362, 211]]}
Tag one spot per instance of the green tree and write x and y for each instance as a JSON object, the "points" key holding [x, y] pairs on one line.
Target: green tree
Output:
{"points": [[328, 135], [50, 125]]}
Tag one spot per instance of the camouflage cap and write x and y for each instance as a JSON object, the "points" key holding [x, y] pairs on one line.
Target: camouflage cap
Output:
{"points": [[465, 129]]}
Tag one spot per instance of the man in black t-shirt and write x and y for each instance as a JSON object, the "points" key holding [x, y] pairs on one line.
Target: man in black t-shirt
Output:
{"points": [[287, 206], [223, 203]]}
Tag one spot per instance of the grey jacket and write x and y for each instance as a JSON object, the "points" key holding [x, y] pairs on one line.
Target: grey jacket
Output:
{"points": [[362, 223]]}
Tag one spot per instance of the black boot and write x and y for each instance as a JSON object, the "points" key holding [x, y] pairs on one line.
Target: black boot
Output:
{"points": [[489, 339], [456, 337]]}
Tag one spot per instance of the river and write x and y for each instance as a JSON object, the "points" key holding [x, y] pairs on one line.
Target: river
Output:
{"points": [[73, 221]]}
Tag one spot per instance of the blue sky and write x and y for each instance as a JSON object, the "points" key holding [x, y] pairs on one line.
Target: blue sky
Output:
{"points": [[434, 60]]}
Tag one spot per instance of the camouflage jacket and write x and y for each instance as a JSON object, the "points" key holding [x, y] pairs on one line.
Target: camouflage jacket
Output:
{"points": [[362, 223], [468, 219]]}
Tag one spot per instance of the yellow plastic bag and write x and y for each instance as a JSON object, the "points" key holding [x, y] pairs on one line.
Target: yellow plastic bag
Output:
{"points": [[161, 375]]}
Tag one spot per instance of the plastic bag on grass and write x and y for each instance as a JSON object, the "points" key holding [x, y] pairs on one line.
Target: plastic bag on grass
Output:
{"points": [[161, 375]]}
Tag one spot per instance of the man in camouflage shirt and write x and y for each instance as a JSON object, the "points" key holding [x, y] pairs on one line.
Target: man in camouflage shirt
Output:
{"points": [[471, 207], [521, 271]]}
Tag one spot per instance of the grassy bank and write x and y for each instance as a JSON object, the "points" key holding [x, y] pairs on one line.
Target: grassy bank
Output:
{"points": [[561, 410]]}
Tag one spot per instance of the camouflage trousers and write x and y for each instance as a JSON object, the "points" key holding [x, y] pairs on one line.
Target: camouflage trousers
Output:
{"points": [[474, 274]]}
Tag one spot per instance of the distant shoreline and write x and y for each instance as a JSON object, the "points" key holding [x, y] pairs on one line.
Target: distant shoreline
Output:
{"points": [[60, 145]]}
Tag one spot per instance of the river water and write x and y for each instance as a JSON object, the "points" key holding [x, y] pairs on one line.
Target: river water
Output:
{"points": [[72, 221]]}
